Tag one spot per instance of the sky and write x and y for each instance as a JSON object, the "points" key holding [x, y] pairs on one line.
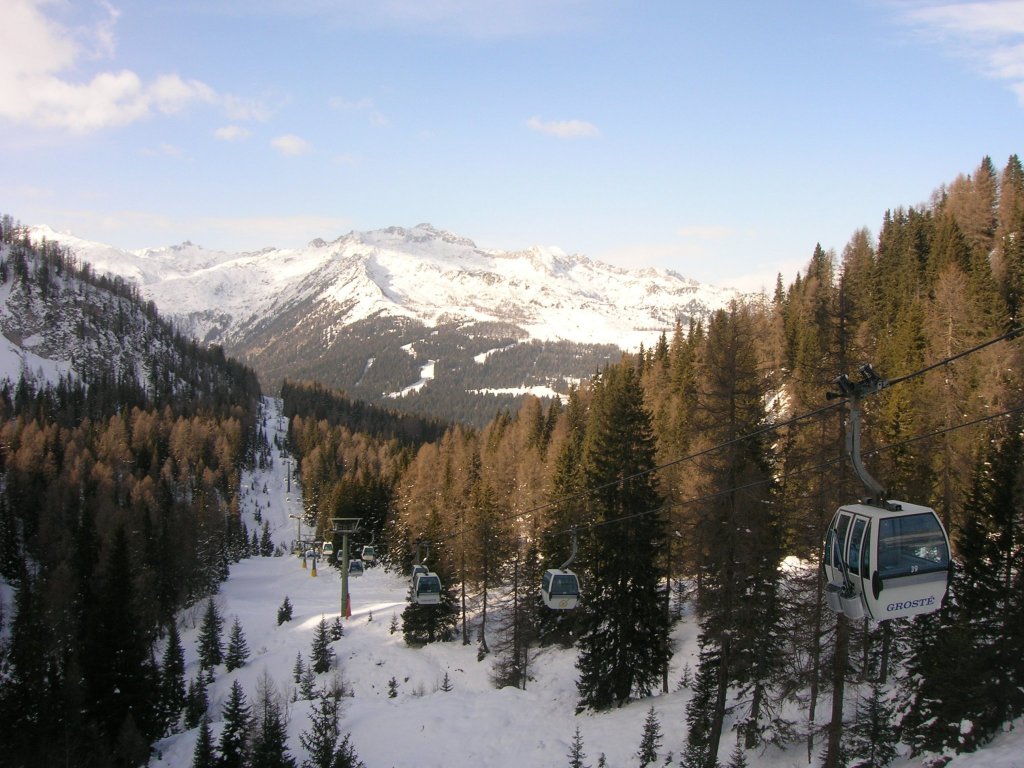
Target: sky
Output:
{"points": [[720, 140]]}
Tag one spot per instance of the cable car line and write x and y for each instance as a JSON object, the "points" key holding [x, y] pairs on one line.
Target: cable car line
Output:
{"points": [[787, 475], [837, 403], [865, 521]]}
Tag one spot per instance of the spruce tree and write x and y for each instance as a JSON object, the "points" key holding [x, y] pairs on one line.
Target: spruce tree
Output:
{"points": [[870, 741], [650, 741], [738, 757], [321, 656], [238, 649], [269, 744], [196, 701], [624, 646], [203, 756], [307, 685], [298, 668], [979, 625], [210, 645], [321, 740], [738, 530], [233, 744], [576, 754], [345, 756], [266, 543], [172, 680], [284, 613], [120, 677]]}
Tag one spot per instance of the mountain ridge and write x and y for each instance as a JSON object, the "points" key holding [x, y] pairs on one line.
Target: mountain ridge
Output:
{"points": [[368, 312]]}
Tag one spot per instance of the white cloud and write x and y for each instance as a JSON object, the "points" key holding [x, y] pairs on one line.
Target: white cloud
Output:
{"points": [[364, 106], [244, 109], [563, 129], [167, 150], [990, 34], [232, 133], [290, 144], [35, 54]]}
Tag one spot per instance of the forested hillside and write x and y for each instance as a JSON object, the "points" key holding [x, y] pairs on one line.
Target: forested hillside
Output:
{"points": [[689, 482], [118, 505], [689, 472]]}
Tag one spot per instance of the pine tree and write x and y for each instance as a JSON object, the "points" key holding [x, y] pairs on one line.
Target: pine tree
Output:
{"points": [[307, 686], [446, 684], [269, 747], [234, 751], [196, 701], [299, 668], [576, 753], [172, 681], [266, 543], [284, 613], [117, 665], [738, 531], [238, 649], [345, 756], [393, 688], [203, 755], [210, 645], [738, 757], [650, 741], [322, 654], [701, 709], [337, 630], [624, 645], [321, 740], [979, 625], [870, 741]]}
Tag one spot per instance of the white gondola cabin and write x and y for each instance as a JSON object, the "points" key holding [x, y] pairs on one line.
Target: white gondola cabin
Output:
{"points": [[369, 554], [426, 589], [327, 549], [560, 589], [355, 567], [886, 563]]}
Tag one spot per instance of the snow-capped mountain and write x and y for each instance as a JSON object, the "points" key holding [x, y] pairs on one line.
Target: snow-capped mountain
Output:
{"points": [[371, 312], [423, 274]]}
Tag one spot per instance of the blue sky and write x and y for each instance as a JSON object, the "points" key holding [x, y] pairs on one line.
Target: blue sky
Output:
{"points": [[721, 140]]}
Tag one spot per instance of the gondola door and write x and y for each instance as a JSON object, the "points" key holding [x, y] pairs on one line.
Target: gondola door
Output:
{"points": [[847, 562]]}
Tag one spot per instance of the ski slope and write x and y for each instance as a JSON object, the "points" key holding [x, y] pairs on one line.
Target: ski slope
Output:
{"points": [[473, 724]]}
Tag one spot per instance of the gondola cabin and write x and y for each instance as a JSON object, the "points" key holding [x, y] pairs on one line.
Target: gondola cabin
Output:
{"points": [[889, 563], [560, 589], [369, 554], [328, 549], [426, 589], [355, 567]]}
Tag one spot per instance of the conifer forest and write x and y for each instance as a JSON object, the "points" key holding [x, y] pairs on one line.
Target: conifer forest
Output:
{"points": [[691, 480]]}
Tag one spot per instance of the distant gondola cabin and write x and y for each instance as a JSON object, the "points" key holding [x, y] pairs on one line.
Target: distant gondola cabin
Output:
{"points": [[426, 589], [560, 589]]}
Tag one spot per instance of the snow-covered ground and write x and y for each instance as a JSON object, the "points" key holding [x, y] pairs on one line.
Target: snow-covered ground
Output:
{"points": [[473, 724]]}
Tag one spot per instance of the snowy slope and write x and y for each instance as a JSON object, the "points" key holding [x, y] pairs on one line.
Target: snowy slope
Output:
{"points": [[421, 273], [474, 724]]}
